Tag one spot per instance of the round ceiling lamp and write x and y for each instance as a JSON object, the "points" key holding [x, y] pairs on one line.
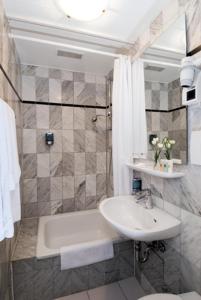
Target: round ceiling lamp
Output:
{"points": [[83, 10]]}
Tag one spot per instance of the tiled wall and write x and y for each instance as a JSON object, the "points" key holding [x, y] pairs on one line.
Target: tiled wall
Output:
{"points": [[164, 96], [71, 174], [10, 62], [180, 197]]}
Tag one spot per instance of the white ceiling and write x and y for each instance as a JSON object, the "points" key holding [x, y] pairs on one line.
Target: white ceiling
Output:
{"points": [[123, 21]]}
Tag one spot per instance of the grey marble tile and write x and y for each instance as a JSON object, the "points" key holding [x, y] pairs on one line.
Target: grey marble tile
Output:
{"points": [[96, 275], [89, 77], [68, 187], [58, 141], [61, 283], [91, 202], [56, 168], [68, 141], [42, 116], [101, 162], [68, 205], [91, 185], [55, 117], [42, 72], [90, 141], [28, 88], [29, 116], [43, 165], [79, 118], [29, 166], [28, 70], [44, 209], [43, 285], [90, 163], [110, 291], [67, 117], [55, 73], [67, 91], [89, 114], [42, 89], [78, 77], [79, 163], [68, 164], [30, 210], [29, 141], [79, 279], [101, 184], [66, 75], [56, 207], [80, 188], [79, 140], [55, 90], [55, 188], [101, 141], [101, 94], [85, 93], [43, 189], [29, 190]]}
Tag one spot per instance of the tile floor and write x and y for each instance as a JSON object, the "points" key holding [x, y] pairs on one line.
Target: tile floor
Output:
{"points": [[127, 289]]}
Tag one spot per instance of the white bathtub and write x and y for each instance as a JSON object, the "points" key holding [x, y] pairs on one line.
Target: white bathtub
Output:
{"points": [[66, 229]]}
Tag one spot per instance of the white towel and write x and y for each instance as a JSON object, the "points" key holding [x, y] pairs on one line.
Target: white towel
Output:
{"points": [[10, 207], [83, 254]]}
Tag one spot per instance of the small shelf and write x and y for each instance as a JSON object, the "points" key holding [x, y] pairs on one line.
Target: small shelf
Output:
{"points": [[148, 169]]}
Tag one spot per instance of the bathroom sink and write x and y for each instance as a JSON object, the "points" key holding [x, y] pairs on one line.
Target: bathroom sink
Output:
{"points": [[136, 222]]}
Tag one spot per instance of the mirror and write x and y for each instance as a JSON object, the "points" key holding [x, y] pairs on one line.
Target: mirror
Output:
{"points": [[166, 117]]}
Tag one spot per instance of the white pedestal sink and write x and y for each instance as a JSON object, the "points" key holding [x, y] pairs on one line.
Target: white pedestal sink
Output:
{"points": [[136, 222]]}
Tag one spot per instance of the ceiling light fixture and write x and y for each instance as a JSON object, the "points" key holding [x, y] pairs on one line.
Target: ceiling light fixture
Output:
{"points": [[83, 10]]}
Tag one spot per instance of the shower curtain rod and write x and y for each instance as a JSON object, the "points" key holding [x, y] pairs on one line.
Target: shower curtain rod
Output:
{"points": [[79, 48]]}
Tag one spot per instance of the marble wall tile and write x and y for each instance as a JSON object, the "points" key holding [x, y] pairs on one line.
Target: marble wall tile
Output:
{"points": [[67, 91], [78, 77], [29, 141], [90, 185], [29, 166], [42, 89], [88, 77], [100, 184], [41, 72], [56, 168], [68, 187], [67, 141], [30, 210], [55, 90], [41, 145], [56, 207], [79, 118], [55, 188], [67, 117], [28, 88], [68, 205], [80, 187], [91, 163], [101, 94], [90, 202], [29, 116], [90, 141], [44, 209], [43, 165], [55, 117], [42, 116], [89, 114], [101, 141], [55, 73], [66, 75], [28, 70], [68, 164], [43, 189], [58, 141], [29, 190], [101, 162], [79, 140], [85, 93], [79, 163]]}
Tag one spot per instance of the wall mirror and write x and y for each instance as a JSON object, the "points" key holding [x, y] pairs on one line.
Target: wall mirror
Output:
{"points": [[165, 114]]}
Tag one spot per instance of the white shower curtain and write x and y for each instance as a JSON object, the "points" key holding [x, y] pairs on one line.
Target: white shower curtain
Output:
{"points": [[125, 99]]}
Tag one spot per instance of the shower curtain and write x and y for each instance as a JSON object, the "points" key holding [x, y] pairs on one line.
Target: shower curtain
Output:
{"points": [[129, 121]]}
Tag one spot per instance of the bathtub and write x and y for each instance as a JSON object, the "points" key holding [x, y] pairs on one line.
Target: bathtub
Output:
{"points": [[66, 229]]}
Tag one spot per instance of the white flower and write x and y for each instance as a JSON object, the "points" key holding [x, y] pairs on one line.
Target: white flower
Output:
{"points": [[157, 139], [168, 145], [172, 142], [153, 142], [160, 145]]}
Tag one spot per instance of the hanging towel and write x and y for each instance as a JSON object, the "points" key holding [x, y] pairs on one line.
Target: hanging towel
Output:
{"points": [[83, 254], [10, 207], [139, 113]]}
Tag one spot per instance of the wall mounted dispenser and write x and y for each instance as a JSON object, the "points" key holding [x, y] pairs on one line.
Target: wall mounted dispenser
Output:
{"points": [[49, 138]]}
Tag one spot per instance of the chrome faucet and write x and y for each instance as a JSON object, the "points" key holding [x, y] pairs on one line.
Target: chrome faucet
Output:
{"points": [[145, 198]]}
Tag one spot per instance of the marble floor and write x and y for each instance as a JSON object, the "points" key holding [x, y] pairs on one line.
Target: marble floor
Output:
{"points": [[127, 289]]}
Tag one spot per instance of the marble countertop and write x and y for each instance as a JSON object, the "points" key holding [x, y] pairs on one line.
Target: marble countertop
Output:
{"points": [[26, 240]]}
